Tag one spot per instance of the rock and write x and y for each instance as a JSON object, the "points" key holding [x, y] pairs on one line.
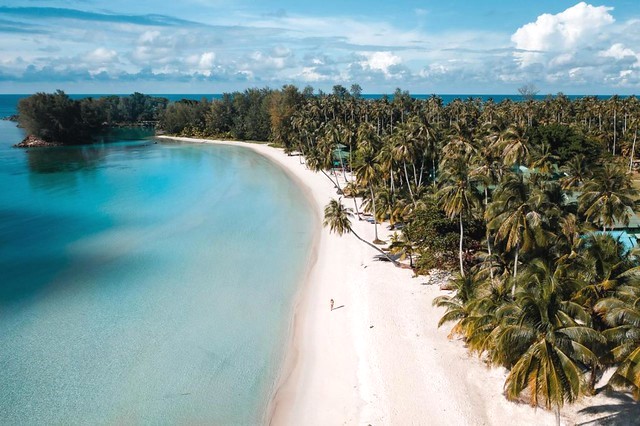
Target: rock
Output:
{"points": [[32, 141]]}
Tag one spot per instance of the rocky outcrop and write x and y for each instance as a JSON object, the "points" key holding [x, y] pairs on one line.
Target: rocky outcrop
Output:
{"points": [[32, 141]]}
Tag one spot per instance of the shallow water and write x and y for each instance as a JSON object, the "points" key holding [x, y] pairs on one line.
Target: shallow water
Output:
{"points": [[144, 283]]}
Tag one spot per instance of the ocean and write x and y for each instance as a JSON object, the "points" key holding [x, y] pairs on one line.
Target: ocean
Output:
{"points": [[144, 283]]}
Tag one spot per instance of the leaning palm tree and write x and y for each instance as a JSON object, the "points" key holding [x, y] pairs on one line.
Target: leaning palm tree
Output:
{"points": [[338, 218]]}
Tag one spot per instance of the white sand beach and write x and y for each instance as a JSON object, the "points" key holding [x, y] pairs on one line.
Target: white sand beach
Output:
{"points": [[378, 358]]}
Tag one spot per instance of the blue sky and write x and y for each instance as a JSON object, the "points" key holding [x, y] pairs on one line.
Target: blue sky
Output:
{"points": [[427, 46]]}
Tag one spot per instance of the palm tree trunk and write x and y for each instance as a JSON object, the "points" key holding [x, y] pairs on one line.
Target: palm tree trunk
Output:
{"points": [[433, 170], [395, 262], [421, 172], [391, 184], [375, 218], [515, 270], [337, 182], [460, 247], [614, 132], [633, 150], [355, 204], [330, 178], [486, 203], [557, 414], [344, 171], [351, 162], [406, 176], [593, 378]]}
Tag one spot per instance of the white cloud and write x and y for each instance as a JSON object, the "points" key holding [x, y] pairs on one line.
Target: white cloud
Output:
{"points": [[207, 60], [311, 75], [380, 61], [619, 52], [582, 46], [102, 56], [576, 27]]}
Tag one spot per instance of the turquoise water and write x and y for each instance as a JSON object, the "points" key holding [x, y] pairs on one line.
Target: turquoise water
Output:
{"points": [[144, 283]]}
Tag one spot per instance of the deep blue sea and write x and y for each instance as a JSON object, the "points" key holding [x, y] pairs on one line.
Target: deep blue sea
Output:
{"points": [[144, 283]]}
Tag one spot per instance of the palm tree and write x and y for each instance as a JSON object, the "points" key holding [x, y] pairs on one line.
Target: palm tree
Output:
{"points": [[547, 339], [404, 151], [517, 215], [459, 306], [366, 169], [513, 144], [635, 124], [338, 218], [608, 197], [403, 245], [622, 314], [458, 195], [576, 172]]}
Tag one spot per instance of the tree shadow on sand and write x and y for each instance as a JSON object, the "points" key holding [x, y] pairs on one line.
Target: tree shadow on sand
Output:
{"points": [[625, 413]]}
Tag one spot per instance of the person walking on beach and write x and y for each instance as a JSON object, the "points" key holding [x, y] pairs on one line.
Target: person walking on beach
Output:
{"points": [[331, 304]]}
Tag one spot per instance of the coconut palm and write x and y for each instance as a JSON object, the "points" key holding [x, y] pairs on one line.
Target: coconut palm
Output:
{"points": [[517, 215], [513, 144], [458, 195], [546, 339], [576, 172], [367, 174], [403, 245], [338, 218], [622, 314], [458, 306], [608, 197]]}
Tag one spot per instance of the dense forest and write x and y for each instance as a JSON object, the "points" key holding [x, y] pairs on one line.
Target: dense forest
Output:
{"points": [[54, 117], [521, 198]]}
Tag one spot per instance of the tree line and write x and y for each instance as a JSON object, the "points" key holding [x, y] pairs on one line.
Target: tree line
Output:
{"points": [[55, 117], [518, 196]]}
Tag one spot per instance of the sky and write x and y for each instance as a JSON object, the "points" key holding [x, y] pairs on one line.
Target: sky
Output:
{"points": [[215, 46]]}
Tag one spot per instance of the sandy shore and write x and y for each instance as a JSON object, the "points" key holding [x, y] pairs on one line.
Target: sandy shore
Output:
{"points": [[378, 358]]}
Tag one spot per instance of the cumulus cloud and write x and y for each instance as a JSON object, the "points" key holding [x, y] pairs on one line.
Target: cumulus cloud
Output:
{"points": [[619, 52], [575, 27], [381, 61], [583, 45]]}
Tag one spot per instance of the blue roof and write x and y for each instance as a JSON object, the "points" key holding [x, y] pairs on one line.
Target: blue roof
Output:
{"points": [[629, 241]]}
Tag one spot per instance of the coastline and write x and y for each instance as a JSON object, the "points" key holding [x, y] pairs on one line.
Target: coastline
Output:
{"points": [[378, 357]]}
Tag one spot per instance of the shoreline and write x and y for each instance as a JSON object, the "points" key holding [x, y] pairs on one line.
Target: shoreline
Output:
{"points": [[378, 357]]}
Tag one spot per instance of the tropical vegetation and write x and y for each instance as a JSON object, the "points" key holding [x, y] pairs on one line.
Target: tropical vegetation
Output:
{"points": [[55, 117]]}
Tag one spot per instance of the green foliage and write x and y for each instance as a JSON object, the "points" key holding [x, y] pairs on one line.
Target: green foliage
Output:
{"points": [[566, 142], [55, 117], [435, 236]]}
